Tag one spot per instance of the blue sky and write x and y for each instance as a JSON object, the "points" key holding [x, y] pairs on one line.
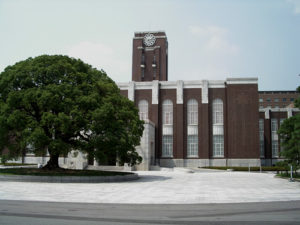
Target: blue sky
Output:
{"points": [[212, 39]]}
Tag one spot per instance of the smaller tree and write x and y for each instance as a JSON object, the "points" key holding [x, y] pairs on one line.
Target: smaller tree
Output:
{"points": [[289, 134]]}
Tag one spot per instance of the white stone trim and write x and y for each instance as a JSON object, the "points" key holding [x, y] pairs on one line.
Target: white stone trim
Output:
{"points": [[123, 86], [168, 84], [194, 163], [155, 92], [131, 91], [279, 109], [204, 92], [250, 80], [190, 84], [152, 48], [143, 85], [160, 37], [151, 32], [179, 92], [216, 84]]}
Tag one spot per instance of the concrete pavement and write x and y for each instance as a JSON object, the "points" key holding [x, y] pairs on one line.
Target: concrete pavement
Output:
{"points": [[163, 187]]}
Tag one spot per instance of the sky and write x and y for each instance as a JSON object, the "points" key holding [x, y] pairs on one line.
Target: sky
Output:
{"points": [[209, 39]]}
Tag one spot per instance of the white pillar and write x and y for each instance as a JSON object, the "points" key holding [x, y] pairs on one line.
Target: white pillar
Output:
{"points": [[267, 114], [289, 112], [155, 92], [204, 92], [131, 91], [179, 92]]}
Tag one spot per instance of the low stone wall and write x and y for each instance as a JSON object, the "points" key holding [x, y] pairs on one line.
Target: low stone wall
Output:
{"points": [[69, 179], [193, 163]]}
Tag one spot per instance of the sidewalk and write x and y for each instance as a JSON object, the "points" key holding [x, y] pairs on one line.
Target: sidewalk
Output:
{"points": [[163, 187]]}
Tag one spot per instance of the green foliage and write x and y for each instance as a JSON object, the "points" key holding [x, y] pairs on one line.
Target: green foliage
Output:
{"points": [[4, 159], [288, 175], [59, 104], [289, 134]]}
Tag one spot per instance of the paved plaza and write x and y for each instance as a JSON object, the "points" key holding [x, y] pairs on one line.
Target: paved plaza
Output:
{"points": [[163, 187]]}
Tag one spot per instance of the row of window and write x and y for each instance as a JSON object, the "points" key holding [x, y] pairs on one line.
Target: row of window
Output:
{"points": [[274, 137], [273, 107], [192, 126], [275, 99]]}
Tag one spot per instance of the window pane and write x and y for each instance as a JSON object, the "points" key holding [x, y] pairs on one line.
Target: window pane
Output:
{"points": [[261, 138], [168, 112], [218, 111], [274, 128], [143, 109], [192, 146], [192, 112], [167, 148], [275, 148], [218, 145]]}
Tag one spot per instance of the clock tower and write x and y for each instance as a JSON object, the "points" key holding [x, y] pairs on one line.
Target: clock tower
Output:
{"points": [[150, 56]]}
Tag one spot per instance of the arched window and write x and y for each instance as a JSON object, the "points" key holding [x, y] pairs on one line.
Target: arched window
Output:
{"points": [[192, 128], [167, 108], [217, 111], [167, 138], [218, 128], [143, 109]]}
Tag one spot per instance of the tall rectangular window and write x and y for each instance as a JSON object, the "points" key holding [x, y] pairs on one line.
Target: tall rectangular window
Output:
{"points": [[274, 128], [143, 109], [167, 138], [281, 147], [218, 145], [218, 128], [167, 148], [192, 128], [261, 138], [192, 147]]}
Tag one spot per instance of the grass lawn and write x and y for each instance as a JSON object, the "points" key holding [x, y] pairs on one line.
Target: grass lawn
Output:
{"points": [[59, 172]]}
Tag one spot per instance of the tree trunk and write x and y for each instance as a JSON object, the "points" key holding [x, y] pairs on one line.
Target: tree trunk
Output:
{"points": [[52, 164]]}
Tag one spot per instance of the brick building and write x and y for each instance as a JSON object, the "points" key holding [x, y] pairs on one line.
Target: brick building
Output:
{"points": [[198, 123], [277, 99], [195, 123], [202, 122]]}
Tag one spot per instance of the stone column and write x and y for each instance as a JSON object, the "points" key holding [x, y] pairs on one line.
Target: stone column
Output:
{"points": [[204, 128], [179, 122]]}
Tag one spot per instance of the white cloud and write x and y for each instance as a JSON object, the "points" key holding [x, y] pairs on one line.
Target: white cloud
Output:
{"points": [[207, 31], [103, 57], [296, 5], [214, 55], [215, 40]]}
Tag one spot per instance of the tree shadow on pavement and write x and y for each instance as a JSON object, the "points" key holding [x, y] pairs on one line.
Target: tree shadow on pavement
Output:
{"points": [[151, 178]]}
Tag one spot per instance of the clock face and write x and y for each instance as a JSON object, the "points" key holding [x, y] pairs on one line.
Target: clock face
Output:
{"points": [[149, 39]]}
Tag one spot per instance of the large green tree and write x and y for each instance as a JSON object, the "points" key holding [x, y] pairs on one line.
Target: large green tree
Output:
{"points": [[57, 103], [289, 133]]}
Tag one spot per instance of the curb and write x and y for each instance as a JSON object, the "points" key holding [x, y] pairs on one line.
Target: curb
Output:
{"points": [[69, 179]]}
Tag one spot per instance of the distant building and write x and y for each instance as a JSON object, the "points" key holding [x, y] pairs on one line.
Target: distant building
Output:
{"points": [[277, 99]]}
